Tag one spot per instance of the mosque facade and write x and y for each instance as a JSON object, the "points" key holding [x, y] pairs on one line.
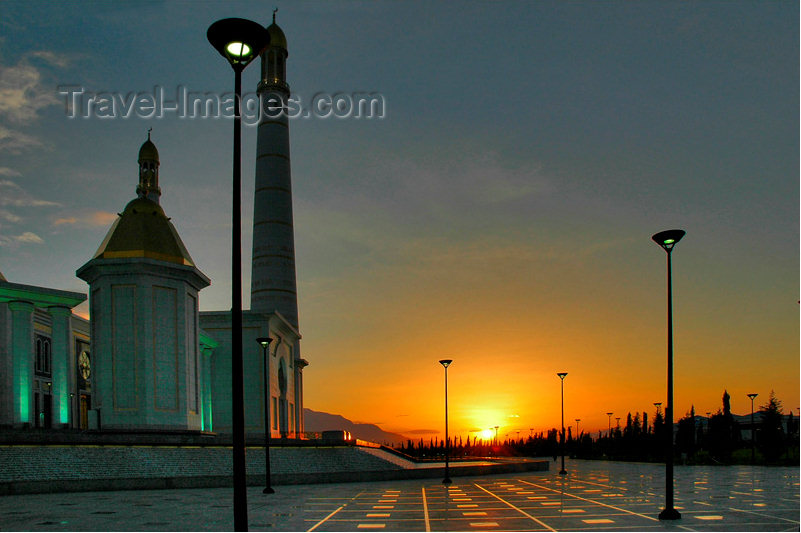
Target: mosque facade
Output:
{"points": [[148, 359]]}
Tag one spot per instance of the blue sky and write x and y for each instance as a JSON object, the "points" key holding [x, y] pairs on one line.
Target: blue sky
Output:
{"points": [[500, 213]]}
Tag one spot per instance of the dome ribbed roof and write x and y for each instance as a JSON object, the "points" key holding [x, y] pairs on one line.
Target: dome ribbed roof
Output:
{"points": [[148, 151], [277, 37], [143, 230]]}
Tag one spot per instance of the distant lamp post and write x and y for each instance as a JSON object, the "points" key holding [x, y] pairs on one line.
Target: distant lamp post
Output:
{"points": [[264, 342], [239, 41], [753, 429], [577, 432], [667, 240], [72, 400], [562, 375], [496, 435], [609, 432], [446, 363]]}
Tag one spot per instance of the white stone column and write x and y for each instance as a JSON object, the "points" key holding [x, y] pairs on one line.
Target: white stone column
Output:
{"points": [[22, 353], [61, 348]]}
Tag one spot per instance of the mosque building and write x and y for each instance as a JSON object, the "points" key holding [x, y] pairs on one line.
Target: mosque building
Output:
{"points": [[148, 359]]}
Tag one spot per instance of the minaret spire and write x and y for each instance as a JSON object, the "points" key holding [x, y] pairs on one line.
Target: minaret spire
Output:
{"points": [[148, 171], [273, 282]]}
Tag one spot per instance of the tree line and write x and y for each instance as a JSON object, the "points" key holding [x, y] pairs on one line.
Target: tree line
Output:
{"points": [[719, 438]]}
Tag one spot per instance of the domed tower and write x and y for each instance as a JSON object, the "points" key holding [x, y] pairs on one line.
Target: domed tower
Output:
{"points": [[273, 285], [144, 316], [149, 171], [273, 290]]}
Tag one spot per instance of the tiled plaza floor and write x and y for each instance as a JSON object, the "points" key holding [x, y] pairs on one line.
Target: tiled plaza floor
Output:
{"points": [[595, 495]]}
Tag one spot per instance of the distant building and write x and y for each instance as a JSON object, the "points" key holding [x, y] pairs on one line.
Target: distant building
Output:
{"points": [[156, 363], [45, 371]]}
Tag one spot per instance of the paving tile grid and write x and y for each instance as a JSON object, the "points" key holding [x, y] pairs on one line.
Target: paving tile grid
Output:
{"points": [[594, 496]]}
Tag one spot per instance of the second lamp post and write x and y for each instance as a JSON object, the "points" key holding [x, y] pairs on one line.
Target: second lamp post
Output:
{"points": [[562, 379], [667, 240], [265, 347], [445, 363]]}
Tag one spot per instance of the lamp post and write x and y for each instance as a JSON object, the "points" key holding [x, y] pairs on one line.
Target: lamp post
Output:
{"points": [[667, 240], [609, 432], [239, 41], [753, 430], [562, 380], [445, 363], [72, 418], [264, 342], [496, 435], [577, 433]]}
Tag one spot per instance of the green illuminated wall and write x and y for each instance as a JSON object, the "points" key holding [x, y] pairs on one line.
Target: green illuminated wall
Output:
{"points": [[22, 369]]}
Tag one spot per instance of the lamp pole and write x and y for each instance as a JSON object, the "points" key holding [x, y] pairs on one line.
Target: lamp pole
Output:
{"points": [[562, 380], [753, 429], [72, 418], [577, 432], [667, 240], [609, 432], [239, 41], [445, 363], [264, 342]]}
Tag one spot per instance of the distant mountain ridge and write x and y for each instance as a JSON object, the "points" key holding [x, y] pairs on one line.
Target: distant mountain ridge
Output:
{"points": [[320, 421]]}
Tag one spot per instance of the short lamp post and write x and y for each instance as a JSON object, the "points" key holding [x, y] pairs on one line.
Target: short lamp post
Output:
{"points": [[264, 342], [239, 41], [562, 375], [72, 418], [753, 429], [667, 240], [447, 480], [609, 432], [577, 431]]}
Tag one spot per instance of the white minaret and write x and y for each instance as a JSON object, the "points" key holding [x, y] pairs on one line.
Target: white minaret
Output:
{"points": [[273, 286]]}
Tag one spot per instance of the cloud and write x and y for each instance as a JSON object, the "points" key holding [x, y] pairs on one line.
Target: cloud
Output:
{"points": [[5, 171], [15, 142], [12, 194], [87, 219], [29, 237], [8, 216], [23, 92], [422, 432]]}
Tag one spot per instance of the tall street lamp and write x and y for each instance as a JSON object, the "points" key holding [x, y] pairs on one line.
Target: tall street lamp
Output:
{"points": [[562, 380], [753, 430], [667, 240], [445, 363], [609, 432], [264, 342], [577, 433], [239, 41]]}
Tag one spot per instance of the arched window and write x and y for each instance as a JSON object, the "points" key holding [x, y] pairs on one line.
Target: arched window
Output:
{"points": [[38, 365]]}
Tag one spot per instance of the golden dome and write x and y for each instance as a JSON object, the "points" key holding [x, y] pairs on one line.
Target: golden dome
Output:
{"points": [[143, 230]]}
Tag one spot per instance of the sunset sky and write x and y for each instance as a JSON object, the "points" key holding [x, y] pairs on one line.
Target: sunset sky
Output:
{"points": [[500, 214]]}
